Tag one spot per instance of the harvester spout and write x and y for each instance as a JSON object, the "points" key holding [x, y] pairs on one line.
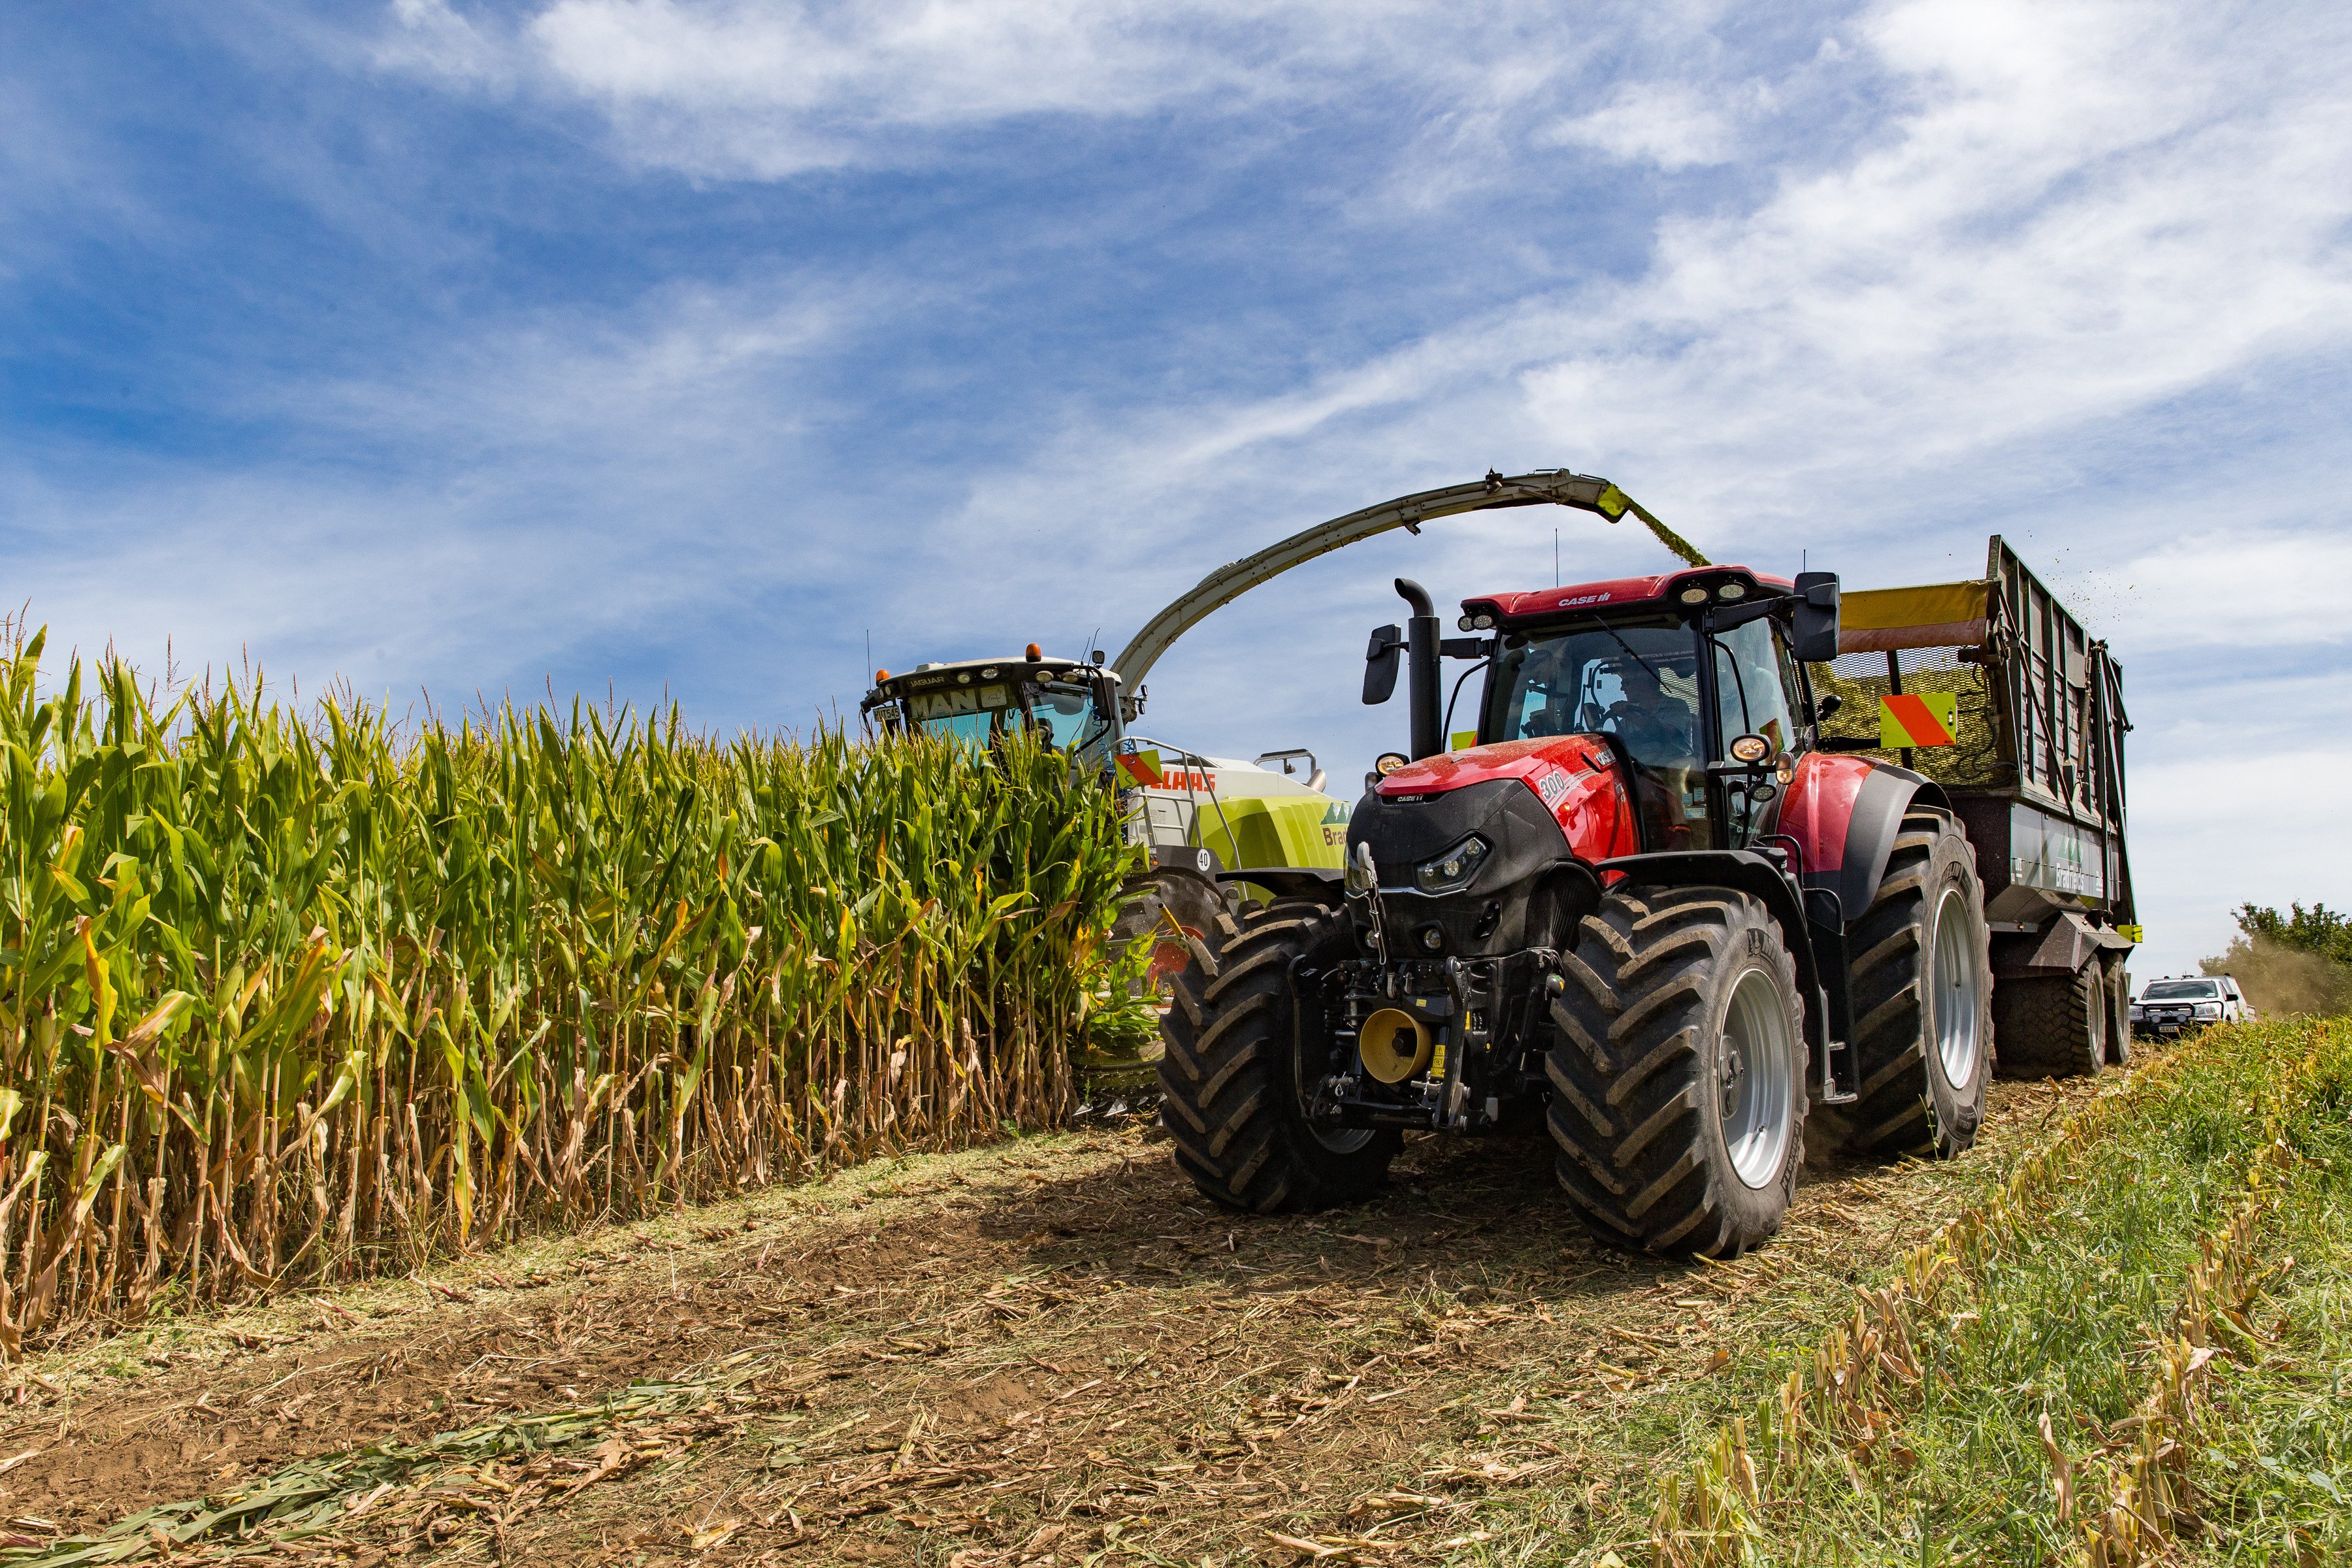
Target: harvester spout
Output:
{"points": [[1555, 487]]}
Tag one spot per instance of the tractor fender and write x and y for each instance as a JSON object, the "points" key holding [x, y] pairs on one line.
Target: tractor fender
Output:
{"points": [[1841, 815], [1750, 873]]}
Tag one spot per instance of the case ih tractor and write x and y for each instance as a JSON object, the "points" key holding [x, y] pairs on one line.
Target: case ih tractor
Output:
{"points": [[1657, 904]]}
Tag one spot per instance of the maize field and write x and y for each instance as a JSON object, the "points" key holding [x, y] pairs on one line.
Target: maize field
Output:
{"points": [[287, 996]]}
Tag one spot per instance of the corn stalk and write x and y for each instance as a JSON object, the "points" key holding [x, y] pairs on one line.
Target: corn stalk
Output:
{"points": [[291, 996]]}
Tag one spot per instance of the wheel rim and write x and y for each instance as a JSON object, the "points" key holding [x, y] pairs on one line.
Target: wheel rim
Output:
{"points": [[1955, 990], [1753, 1066]]}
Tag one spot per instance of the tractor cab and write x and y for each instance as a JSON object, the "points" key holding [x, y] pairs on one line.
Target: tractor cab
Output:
{"points": [[1691, 676], [1072, 704]]}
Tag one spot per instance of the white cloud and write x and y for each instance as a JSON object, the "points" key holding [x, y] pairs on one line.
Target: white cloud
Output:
{"points": [[767, 89], [1672, 124], [431, 37]]}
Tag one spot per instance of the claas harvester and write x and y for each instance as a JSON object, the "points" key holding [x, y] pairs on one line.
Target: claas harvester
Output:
{"points": [[1711, 859]]}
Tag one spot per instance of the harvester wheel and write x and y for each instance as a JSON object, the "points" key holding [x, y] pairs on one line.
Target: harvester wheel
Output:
{"points": [[1921, 979], [1679, 1080], [1172, 910], [2054, 1026], [1233, 1079]]}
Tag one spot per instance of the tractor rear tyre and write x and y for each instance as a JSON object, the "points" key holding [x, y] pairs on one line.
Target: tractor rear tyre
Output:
{"points": [[1678, 1080], [1921, 980], [1235, 1085], [2053, 1026]]}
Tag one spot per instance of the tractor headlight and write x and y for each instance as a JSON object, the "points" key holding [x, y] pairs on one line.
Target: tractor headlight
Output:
{"points": [[1454, 869], [2209, 1009]]}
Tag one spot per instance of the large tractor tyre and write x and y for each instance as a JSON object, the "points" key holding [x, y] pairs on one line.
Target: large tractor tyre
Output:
{"points": [[2119, 1035], [1233, 1084], [1679, 1080], [1921, 980], [2054, 1026], [1172, 911]]}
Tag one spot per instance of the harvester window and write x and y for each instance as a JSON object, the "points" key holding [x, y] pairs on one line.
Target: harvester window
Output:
{"points": [[1067, 713]]}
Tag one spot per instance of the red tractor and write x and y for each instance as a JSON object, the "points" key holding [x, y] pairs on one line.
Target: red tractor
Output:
{"points": [[1654, 901]]}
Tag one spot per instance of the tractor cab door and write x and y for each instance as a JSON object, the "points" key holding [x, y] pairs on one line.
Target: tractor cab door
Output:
{"points": [[1756, 692]]}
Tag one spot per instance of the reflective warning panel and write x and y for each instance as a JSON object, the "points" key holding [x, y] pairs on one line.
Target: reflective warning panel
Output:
{"points": [[1918, 719]]}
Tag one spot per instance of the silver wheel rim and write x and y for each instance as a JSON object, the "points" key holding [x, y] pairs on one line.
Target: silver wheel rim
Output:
{"points": [[1955, 990], [1753, 1066]]}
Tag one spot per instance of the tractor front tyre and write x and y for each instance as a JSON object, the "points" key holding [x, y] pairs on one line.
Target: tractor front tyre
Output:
{"points": [[1679, 1080], [1921, 980], [1232, 1080], [2052, 1026]]}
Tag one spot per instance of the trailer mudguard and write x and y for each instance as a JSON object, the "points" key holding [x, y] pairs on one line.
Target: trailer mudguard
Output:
{"points": [[1842, 815]]}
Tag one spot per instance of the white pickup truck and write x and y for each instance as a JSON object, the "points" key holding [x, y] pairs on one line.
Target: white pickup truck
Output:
{"points": [[2176, 1007]]}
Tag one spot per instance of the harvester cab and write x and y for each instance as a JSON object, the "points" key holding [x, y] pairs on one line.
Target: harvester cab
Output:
{"points": [[1074, 705], [1199, 818]]}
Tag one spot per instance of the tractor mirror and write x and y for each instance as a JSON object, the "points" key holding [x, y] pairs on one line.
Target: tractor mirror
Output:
{"points": [[1813, 627], [1381, 658]]}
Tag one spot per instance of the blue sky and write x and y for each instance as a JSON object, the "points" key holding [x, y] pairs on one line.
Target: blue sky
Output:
{"points": [[677, 345]]}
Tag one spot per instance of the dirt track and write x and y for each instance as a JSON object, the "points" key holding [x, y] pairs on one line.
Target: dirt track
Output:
{"points": [[1037, 1350]]}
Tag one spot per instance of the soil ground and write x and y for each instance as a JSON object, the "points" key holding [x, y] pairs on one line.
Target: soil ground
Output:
{"points": [[1045, 1351]]}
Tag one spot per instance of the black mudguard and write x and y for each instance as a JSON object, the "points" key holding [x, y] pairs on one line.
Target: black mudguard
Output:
{"points": [[1870, 834]]}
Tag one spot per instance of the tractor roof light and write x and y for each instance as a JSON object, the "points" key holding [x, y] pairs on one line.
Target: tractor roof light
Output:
{"points": [[1692, 595], [880, 676], [1033, 653], [1732, 591]]}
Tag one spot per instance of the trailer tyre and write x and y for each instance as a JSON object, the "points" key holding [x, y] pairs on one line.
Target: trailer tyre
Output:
{"points": [[1679, 1080], [2119, 1029], [2052, 1026], [1921, 980], [1233, 1082]]}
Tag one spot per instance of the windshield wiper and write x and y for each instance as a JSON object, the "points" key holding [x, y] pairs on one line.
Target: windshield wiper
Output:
{"points": [[1621, 642]]}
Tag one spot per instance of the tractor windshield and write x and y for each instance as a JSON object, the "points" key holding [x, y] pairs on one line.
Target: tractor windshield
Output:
{"points": [[1639, 681], [1635, 679]]}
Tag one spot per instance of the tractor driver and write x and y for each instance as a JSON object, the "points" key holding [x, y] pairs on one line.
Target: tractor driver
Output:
{"points": [[1657, 727], [1661, 730]]}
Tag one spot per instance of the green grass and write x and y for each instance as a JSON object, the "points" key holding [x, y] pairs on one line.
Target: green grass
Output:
{"points": [[2056, 1309]]}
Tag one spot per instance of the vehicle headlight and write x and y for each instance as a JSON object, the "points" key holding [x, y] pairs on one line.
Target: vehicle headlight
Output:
{"points": [[2209, 1009], [1452, 870]]}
